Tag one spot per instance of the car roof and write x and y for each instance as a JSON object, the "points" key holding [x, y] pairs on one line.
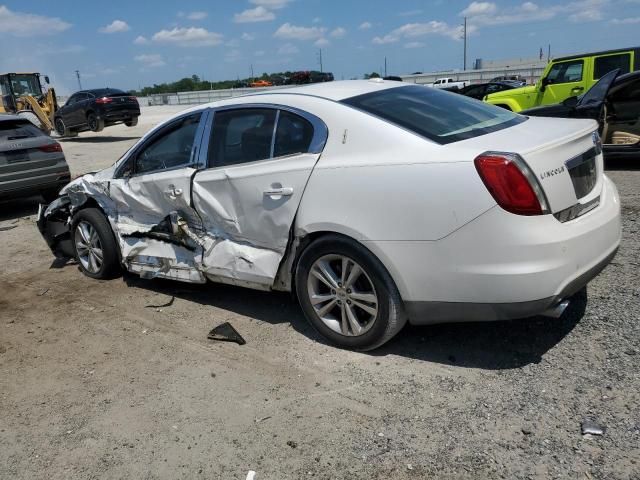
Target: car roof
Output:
{"points": [[338, 90], [592, 54]]}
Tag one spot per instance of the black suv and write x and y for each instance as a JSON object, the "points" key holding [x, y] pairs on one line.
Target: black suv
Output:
{"points": [[95, 109]]}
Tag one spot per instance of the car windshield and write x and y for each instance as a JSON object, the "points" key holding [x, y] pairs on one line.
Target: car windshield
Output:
{"points": [[439, 116], [26, 85]]}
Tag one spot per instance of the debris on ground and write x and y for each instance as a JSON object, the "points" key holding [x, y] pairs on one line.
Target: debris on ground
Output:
{"points": [[589, 427], [292, 444], [168, 304], [10, 227], [226, 333], [43, 292]]}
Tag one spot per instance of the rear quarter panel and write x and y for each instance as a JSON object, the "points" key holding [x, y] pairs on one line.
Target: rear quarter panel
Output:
{"points": [[375, 181]]}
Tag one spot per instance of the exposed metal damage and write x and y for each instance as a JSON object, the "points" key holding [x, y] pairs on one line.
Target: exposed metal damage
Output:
{"points": [[178, 247]]}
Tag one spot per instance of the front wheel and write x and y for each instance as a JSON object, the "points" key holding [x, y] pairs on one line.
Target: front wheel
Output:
{"points": [[132, 122], [94, 244], [347, 294]]}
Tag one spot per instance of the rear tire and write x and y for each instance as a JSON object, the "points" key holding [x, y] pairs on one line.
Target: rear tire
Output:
{"points": [[50, 195], [360, 310], [132, 123], [94, 123], [94, 244]]}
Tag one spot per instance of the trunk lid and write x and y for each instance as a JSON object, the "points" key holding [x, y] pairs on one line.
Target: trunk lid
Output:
{"points": [[565, 156]]}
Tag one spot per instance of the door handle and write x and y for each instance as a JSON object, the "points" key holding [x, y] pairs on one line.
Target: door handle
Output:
{"points": [[577, 89], [173, 192], [279, 192]]}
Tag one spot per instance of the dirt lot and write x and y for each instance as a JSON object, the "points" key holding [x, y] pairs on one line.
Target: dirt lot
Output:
{"points": [[118, 380]]}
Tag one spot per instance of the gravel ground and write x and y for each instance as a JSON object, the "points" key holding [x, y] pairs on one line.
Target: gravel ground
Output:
{"points": [[118, 380]]}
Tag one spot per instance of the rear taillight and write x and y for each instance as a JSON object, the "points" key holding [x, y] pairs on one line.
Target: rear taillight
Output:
{"points": [[511, 183], [104, 100], [51, 148]]}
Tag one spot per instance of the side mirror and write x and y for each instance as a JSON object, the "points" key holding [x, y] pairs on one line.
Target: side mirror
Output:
{"points": [[46, 79], [543, 84], [571, 102]]}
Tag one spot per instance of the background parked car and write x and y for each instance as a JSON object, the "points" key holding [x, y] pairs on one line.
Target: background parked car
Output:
{"points": [[517, 79], [481, 90], [96, 109], [30, 162], [615, 102]]}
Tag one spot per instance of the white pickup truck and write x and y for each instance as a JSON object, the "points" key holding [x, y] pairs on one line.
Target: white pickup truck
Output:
{"points": [[447, 84]]}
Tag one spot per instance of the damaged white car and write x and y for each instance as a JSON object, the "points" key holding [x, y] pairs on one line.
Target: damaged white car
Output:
{"points": [[375, 202]]}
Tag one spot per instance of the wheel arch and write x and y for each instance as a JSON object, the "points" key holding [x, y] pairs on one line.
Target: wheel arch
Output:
{"points": [[285, 279]]}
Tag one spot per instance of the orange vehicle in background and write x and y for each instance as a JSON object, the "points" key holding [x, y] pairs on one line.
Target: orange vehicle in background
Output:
{"points": [[261, 83]]}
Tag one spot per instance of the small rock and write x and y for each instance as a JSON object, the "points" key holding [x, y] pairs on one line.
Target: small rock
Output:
{"points": [[409, 466], [381, 434], [292, 444], [526, 430]]}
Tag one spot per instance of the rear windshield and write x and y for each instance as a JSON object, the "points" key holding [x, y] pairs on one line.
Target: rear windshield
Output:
{"points": [[443, 117], [17, 130]]}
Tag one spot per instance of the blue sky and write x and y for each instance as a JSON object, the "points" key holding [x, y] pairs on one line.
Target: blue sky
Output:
{"points": [[127, 44]]}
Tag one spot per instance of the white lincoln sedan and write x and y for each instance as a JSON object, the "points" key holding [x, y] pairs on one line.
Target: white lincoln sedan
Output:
{"points": [[376, 202]]}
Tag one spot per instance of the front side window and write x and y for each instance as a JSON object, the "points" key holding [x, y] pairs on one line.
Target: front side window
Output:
{"points": [[603, 65], [443, 117], [171, 148], [241, 136], [566, 72]]}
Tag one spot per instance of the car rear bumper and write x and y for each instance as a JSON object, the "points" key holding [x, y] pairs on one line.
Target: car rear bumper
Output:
{"points": [[501, 265], [119, 115], [34, 184]]}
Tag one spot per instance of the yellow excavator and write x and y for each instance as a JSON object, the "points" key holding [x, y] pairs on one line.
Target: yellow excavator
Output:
{"points": [[25, 95]]}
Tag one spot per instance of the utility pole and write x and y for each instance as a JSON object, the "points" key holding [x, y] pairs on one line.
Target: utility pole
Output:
{"points": [[252, 72], [78, 76], [549, 53], [464, 32], [385, 66], [320, 59]]}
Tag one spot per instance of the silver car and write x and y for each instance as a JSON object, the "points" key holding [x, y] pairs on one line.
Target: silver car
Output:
{"points": [[31, 162]]}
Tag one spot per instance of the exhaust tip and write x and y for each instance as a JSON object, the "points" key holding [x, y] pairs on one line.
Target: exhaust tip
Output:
{"points": [[557, 310]]}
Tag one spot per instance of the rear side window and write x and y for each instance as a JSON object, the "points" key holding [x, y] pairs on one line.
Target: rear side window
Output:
{"points": [[241, 136], [293, 135], [443, 117], [603, 65], [566, 72], [17, 130]]}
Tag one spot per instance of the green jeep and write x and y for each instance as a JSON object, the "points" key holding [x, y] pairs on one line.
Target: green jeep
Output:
{"points": [[567, 77]]}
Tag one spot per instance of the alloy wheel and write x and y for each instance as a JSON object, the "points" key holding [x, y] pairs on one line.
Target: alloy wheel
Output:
{"points": [[88, 247], [342, 295]]}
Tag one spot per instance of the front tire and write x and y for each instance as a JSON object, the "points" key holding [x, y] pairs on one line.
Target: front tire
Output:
{"points": [[94, 123], [62, 130], [347, 295], [94, 244], [132, 122]]}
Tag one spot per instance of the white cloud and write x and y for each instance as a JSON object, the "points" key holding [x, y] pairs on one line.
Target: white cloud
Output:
{"points": [[140, 40], [587, 10], [479, 8], [196, 15], [412, 30], [289, 31], [259, 53], [258, 14], [625, 21], [151, 60], [316, 20], [271, 4], [322, 42], [29, 25], [288, 49], [365, 26], [188, 37], [338, 32], [414, 45], [247, 37], [116, 26]]}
